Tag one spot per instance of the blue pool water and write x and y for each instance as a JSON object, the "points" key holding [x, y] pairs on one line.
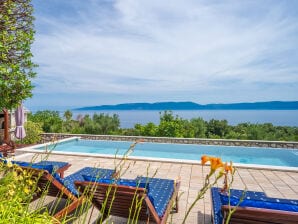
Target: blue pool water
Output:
{"points": [[244, 155]]}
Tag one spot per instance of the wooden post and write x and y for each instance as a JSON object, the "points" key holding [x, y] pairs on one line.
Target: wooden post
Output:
{"points": [[6, 125]]}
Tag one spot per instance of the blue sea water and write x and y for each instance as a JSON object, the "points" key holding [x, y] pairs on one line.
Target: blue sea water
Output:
{"points": [[128, 118]]}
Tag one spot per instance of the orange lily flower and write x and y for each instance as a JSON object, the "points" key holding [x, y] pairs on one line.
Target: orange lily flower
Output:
{"points": [[215, 163], [229, 168], [205, 159]]}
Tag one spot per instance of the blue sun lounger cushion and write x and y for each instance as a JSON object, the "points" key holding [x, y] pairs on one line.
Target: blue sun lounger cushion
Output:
{"points": [[99, 179], [123, 182], [43, 165], [47, 167], [251, 199], [133, 183], [86, 171], [159, 193], [56, 165]]}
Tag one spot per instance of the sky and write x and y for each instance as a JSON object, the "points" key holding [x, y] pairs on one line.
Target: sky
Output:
{"points": [[98, 52]]}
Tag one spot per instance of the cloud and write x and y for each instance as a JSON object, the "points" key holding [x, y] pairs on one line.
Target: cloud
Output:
{"points": [[152, 50]]}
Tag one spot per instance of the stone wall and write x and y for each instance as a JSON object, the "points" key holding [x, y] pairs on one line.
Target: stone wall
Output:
{"points": [[46, 137]]}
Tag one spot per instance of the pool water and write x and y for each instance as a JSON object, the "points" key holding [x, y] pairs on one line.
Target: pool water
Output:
{"points": [[239, 154]]}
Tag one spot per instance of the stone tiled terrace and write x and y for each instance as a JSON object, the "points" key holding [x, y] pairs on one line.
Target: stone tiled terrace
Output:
{"points": [[282, 184]]}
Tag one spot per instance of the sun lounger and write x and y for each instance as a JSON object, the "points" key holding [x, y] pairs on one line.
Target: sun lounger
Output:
{"points": [[156, 197], [255, 207], [7, 148], [50, 184], [59, 167]]}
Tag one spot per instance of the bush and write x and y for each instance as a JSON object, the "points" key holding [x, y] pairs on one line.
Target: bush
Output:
{"points": [[50, 120], [33, 132], [16, 189]]}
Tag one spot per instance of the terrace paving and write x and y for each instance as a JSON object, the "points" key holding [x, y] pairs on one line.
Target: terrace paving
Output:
{"points": [[281, 184]]}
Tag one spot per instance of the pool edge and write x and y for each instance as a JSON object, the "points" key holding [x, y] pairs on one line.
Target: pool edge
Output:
{"points": [[148, 159]]}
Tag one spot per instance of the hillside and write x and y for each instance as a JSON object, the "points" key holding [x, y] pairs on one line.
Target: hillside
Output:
{"points": [[272, 105]]}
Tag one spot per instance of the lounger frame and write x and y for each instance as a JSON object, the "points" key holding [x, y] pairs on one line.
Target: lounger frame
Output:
{"points": [[6, 149], [50, 186]]}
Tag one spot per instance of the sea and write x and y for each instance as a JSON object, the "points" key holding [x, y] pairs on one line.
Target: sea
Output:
{"points": [[128, 118]]}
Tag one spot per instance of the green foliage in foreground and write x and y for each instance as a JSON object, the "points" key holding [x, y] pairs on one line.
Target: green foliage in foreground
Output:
{"points": [[16, 190], [170, 125]]}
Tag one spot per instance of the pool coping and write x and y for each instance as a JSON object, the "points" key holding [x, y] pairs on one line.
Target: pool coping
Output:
{"points": [[30, 149]]}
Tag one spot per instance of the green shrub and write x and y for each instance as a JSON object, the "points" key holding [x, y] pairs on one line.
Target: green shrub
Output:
{"points": [[16, 189], [33, 132], [50, 120]]}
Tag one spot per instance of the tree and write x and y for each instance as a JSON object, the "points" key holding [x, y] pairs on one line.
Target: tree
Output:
{"points": [[138, 129], [255, 132], [149, 129], [170, 126], [101, 124], [217, 128], [166, 116], [105, 124], [69, 124], [199, 127], [50, 120], [67, 115], [87, 124], [16, 67]]}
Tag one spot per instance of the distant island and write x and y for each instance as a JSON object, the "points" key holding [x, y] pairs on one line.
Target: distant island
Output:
{"points": [[272, 105]]}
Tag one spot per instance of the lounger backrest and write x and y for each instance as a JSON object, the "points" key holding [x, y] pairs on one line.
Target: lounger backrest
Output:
{"points": [[121, 199], [48, 184]]}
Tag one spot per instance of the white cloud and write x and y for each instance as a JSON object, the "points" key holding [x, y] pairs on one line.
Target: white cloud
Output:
{"points": [[175, 48]]}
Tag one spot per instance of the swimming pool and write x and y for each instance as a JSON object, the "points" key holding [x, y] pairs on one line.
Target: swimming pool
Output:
{"points": [[241, 155]]}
